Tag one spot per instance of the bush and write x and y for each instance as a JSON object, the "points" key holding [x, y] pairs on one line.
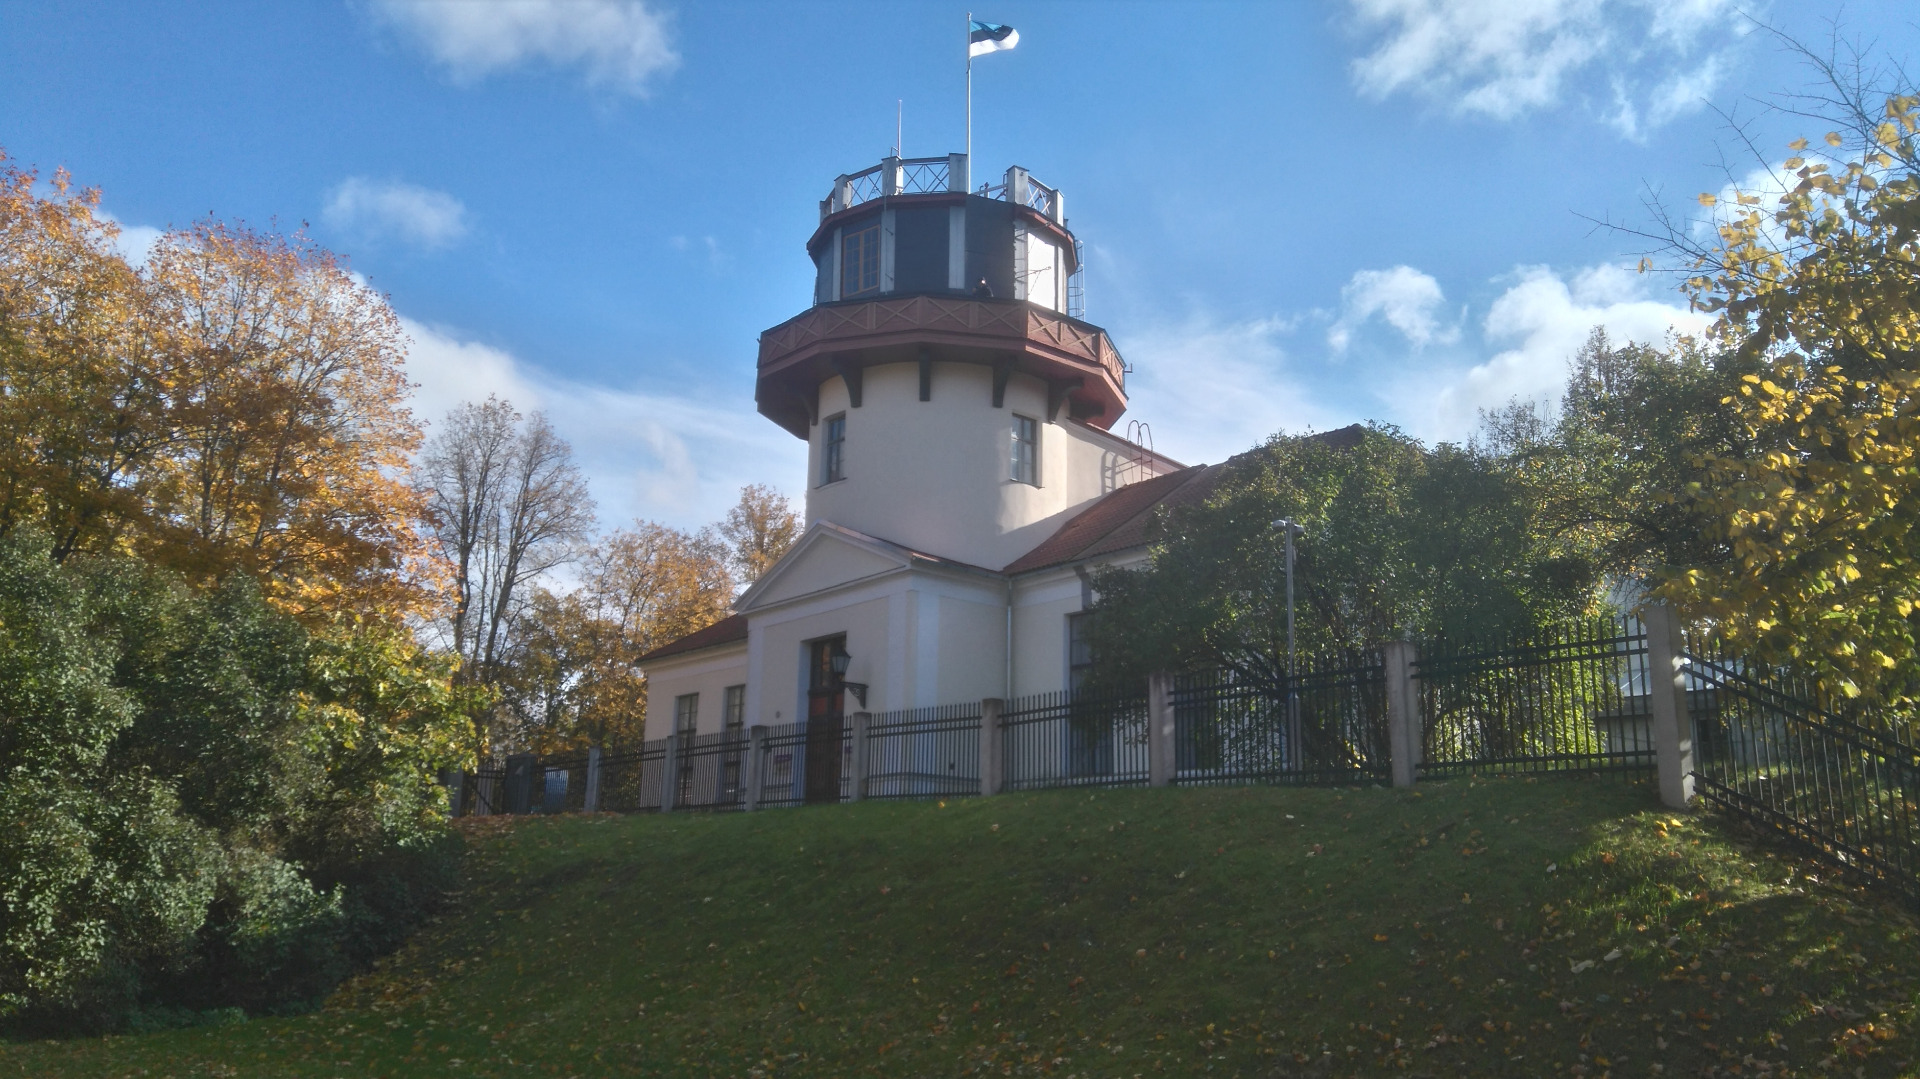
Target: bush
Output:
{"points": [[203, 805]]}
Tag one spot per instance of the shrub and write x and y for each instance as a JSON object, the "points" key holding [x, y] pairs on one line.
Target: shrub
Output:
{"points": [[203, 805]]}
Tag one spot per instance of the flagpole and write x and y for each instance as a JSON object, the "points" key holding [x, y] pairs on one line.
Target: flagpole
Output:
{"points": [[969, 97]]}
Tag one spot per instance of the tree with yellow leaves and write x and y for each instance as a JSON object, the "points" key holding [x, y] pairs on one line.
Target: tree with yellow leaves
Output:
{"points": [[758, 531], [573, 679], [82, 394], [1817, 291], [288, 422], [237, 404]]}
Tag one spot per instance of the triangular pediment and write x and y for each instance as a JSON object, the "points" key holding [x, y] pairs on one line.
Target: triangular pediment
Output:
{"points": [[828, 556]]}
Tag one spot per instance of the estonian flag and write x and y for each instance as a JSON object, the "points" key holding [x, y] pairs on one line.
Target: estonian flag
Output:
{"points": [[987, 37]]}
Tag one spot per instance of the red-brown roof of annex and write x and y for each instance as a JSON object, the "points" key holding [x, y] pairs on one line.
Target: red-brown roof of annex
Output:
{"points": [[1119, 520], [729, 630]]}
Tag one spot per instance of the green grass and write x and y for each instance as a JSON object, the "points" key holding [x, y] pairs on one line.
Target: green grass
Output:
{"points": [[1504, 927]]}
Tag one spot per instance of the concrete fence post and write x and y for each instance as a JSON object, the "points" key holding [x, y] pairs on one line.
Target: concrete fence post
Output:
{"points": [[1667, 700], [670, 775], [456, 791], [857, 787], [756, 763], [993, 755], [1160, 732], [1404, 725], [591, 803]]}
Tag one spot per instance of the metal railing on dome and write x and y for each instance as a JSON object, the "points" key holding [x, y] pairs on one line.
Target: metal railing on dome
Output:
{"points": [[893, 176], [935, 175]]}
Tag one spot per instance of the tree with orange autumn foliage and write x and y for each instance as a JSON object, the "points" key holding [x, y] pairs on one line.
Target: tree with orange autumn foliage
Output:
{"points": [[81, 394], [574, 680], [757, 531], [235, 405]]}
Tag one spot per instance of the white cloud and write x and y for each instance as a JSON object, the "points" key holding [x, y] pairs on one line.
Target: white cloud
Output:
{"points": [[1406, 298], [449, 372], [1500, 58], [135, 242], [1686, 91], [375, 210], [1678, 23], [669, 457], [618, 44], [1212, 390], [1683, 92], [706, 244], [1504, 58], [1767, 184], [1538, 324]]}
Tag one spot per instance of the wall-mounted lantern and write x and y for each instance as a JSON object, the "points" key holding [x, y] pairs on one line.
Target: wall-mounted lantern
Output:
{"points": [[841, 660]]}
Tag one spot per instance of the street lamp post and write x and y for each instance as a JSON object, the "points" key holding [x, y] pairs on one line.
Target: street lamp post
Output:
{"points": [[1290, 529]]}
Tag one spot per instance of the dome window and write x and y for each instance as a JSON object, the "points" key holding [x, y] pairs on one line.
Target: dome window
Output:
{"points": [[860, 261]]}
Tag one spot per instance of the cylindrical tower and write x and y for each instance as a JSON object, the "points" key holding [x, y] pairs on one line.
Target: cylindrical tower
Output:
{"points": [[950, 401]]}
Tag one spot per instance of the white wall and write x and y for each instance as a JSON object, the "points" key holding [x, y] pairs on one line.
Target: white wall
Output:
{"points": [[916, 637], [707, 672], [973, 636], [1041, 607], [932, 475], [1042, 601], [780, 663]]}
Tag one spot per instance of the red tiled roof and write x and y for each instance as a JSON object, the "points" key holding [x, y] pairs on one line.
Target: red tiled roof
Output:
{"points": [[726, 631], [1119, 519]]}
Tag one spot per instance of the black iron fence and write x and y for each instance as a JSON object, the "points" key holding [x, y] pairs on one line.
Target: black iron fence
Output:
{"points": [[1232, 728], [708, 772], [923, 753], [1769, 750], [782, 766], [1074, 740], [482, 792], [1581, 698], [633, 782], [1574, 699]]}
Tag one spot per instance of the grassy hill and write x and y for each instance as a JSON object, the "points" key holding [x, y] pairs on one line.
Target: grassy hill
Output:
{"points": [[1505, 927]]}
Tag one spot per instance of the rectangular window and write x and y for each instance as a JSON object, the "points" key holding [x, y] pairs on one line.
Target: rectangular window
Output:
{"points": [[860, 261], [833, 447], [733, 720], [1021, 464], [1079, 649], [686, 714], [733, 710], [1090, 746]]}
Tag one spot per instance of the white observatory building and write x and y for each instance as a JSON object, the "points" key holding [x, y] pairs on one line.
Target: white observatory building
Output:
{"points": [[962, 476]]}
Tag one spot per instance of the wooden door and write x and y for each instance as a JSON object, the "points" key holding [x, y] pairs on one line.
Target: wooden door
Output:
{"points": [[826, 722]]}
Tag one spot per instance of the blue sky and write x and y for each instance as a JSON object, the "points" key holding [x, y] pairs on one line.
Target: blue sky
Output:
{"points": [[1297, 214]]}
